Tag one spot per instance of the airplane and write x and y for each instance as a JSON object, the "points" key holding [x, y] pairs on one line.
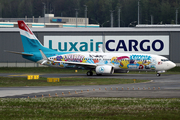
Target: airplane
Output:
{"points": [[100, 62]]}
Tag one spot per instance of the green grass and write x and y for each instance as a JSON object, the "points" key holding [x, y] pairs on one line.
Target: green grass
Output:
{"points": [[22, 81], [90, 108], [175, 70]]}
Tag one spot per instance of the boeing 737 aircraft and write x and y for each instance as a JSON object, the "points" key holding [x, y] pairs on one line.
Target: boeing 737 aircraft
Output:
{"points": [[101, 63]]}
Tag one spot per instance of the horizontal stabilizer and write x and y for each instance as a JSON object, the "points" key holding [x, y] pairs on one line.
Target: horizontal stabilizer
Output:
{"points": [[21, 53]]}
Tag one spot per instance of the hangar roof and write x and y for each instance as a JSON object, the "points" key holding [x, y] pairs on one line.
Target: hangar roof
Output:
{"points": [[122, 29]]}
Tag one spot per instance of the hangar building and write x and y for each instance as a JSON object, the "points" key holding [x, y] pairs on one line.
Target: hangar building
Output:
{"points": [[163, 41]]}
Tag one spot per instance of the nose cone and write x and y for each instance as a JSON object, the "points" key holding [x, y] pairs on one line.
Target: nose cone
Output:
{"points": [[172, 65]]}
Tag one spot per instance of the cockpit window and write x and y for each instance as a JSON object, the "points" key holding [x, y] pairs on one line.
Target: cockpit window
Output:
{"points": [[164, 60]]}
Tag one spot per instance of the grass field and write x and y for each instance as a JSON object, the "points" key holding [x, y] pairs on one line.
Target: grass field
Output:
{"points": [[90, 108], [175, 70], [22, 81]]}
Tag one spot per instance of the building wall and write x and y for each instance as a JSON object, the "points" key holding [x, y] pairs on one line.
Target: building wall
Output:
{"points": [[175, 46], [10, 39]]}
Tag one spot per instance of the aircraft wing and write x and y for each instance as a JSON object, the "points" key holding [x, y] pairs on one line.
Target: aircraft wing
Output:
{"points": [[86, 65], [78, 64]]}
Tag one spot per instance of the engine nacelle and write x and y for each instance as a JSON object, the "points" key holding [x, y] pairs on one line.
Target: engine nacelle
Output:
{"points": [[104, 69]]}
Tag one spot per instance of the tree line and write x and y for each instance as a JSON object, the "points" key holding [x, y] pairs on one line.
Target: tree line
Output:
{"points": [[163, 11]]}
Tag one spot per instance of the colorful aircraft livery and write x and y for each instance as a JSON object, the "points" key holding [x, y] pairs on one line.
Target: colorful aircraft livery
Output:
{"points": [[100, 62]]}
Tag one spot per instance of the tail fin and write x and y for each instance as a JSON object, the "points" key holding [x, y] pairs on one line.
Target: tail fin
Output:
{"points": [[100, 50], [29, 40]]}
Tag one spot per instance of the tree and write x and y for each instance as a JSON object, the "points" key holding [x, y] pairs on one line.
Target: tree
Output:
{"points": [[98, 10], [25, 8]]}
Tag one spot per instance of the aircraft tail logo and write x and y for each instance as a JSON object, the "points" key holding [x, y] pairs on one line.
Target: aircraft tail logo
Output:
{"points": [[29, 40]]}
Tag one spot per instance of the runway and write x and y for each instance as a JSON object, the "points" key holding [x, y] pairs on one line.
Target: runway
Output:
{"points": [[165, 86]]}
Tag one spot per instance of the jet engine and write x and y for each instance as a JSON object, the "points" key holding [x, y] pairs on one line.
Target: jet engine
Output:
{"points": [[104, 69]]}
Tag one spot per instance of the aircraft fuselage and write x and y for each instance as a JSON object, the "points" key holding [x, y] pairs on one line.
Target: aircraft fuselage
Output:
{"points": [[123, 61]]}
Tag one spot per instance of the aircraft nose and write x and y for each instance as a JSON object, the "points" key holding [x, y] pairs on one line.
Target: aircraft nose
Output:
{"points": [[172, 65]]}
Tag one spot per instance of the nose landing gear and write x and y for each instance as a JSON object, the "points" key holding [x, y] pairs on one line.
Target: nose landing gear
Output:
{"points": [[89, 73], [158, 74]]}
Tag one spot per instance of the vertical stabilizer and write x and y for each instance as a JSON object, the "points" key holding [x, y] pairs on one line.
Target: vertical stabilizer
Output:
{"points": [[29, 40], [100, 50]]}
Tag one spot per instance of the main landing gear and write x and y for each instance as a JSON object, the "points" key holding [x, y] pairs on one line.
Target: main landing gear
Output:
{"points": [[89, 73], [158, 74]]}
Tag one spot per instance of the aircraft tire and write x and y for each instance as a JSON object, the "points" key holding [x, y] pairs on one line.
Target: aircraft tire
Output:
{"points": [[89, 73], [158, 74]]}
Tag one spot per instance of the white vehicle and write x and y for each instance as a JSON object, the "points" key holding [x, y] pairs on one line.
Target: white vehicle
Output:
{"points": [[101, 63]]}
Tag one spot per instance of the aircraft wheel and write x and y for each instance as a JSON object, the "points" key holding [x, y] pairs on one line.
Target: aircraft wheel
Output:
{"points": [[158, 74], [89, 73]]}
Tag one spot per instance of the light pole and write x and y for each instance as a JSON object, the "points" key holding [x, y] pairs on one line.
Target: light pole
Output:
{"points": [[44, 12], [119, 16], [104, 22], [111, 17], [76, 15], [138, 12], [151, 19], [85, 15], [177, 15]]}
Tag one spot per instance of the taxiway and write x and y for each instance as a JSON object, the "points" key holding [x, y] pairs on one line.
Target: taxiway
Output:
{"points": [[166, 86]]}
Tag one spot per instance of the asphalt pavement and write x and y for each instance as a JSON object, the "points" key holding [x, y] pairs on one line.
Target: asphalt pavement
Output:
{"points": [[165, 86]]}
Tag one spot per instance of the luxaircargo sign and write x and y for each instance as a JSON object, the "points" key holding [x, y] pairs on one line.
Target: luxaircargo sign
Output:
{"points": [[73, 43], [138, 44], [121, 44]]}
